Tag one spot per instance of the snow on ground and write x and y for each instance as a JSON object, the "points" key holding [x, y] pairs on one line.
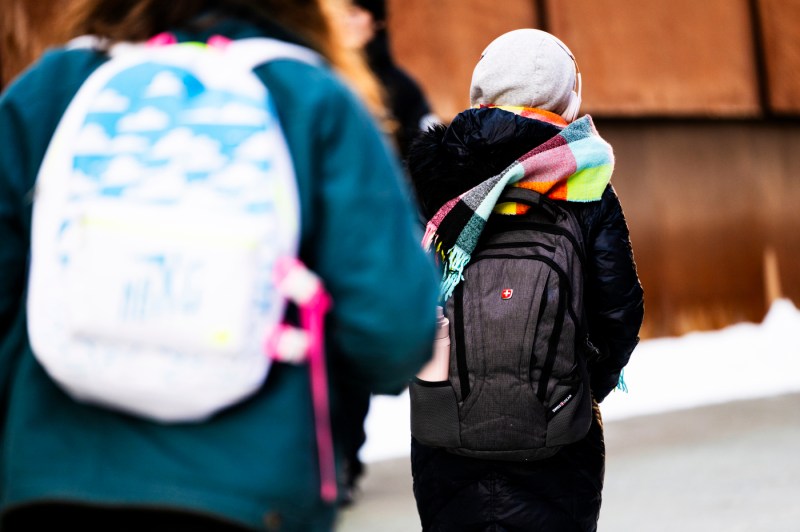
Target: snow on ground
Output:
{"points": [[743, 361]]}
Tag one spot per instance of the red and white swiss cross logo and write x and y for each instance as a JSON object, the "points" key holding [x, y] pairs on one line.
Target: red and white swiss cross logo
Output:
{"points": [[506, 293]]}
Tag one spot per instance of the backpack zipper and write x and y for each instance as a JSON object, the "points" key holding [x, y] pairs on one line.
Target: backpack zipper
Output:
{"points": [[552, 348], [542, 228], [512, 245], [461, 354], [542, 308]]}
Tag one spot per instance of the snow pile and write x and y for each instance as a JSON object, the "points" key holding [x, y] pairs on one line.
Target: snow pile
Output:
{"points": [[743, 361]]}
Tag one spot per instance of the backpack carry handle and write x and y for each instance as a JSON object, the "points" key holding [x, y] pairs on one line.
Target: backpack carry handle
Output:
{"points": [[528, 197]]}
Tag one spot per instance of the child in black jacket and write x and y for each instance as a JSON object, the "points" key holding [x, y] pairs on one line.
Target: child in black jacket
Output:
{"points": [[525, 91]]}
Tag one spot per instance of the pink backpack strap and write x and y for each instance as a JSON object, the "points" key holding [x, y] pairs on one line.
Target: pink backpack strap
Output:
{"points": [[299, 285]]}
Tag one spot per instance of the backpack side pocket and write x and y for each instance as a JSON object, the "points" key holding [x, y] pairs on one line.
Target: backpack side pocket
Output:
{"points": [[434, 413]]}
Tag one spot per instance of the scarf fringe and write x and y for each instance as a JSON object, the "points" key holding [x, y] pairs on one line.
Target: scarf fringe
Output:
{"points": [[428, 238], [576, 165], [455, 262], [621, 384]]}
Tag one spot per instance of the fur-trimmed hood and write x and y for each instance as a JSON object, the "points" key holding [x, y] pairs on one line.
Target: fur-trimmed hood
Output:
{"points": [[573, 165], [479, 143]]}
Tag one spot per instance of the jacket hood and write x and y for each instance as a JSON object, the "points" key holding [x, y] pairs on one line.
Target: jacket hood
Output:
{"points": [[446, 161], [575, 164]]}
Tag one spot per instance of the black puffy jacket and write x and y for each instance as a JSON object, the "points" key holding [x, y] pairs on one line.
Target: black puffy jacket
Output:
{"points": [[561, 493]]}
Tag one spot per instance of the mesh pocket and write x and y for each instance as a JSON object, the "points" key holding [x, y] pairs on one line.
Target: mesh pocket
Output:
{"points": [[570, 423], [434, 414]]}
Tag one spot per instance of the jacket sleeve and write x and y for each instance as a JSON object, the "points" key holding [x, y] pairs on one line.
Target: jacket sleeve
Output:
{"points": [[366, 246], [359, 231], [615, 299]]}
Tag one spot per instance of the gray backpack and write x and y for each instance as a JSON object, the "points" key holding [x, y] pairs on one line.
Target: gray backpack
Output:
{"points": [[518, 386]]}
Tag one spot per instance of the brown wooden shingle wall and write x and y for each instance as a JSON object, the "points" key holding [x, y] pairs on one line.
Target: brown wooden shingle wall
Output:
{"points": [[780, 42], [711, 194], [682, 58], [687, 92], [439, 42], [707, 203], [649, 57]]}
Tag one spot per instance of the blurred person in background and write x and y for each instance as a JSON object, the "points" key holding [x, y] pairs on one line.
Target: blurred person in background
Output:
{"points": [[252, 466], [365, 30], [525, 91]]}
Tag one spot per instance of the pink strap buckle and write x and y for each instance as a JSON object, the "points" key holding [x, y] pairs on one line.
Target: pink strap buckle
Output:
{"points": [[162, 39], [166, 39], [218, 41]]}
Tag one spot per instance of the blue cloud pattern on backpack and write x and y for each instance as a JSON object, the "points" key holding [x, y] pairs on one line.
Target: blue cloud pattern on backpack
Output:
{"points": [[154, 131], [163, 202], [156, 135]]}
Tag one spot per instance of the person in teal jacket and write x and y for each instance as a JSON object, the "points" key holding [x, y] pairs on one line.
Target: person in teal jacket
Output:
{"points": [[252, 466]]}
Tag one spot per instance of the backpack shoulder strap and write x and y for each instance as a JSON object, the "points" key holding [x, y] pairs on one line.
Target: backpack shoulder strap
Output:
{"points": [[86, 42], [250, 52], [256, 51]]}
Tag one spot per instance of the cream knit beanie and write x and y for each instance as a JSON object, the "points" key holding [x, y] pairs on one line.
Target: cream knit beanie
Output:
{"points": [[526, 68]]}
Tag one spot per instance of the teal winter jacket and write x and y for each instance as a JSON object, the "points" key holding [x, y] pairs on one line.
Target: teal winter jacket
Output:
{"points": [[256, 461]]}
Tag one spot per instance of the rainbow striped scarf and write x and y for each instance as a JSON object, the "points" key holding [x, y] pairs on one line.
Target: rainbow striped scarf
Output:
{"points": [[575, 165]]}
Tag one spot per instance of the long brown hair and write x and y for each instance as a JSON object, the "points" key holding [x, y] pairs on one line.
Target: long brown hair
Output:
{"points": [[314, 21], [25, 32]]}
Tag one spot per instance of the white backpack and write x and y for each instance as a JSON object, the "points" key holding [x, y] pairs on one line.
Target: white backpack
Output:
{"points": [[165, 199]]}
